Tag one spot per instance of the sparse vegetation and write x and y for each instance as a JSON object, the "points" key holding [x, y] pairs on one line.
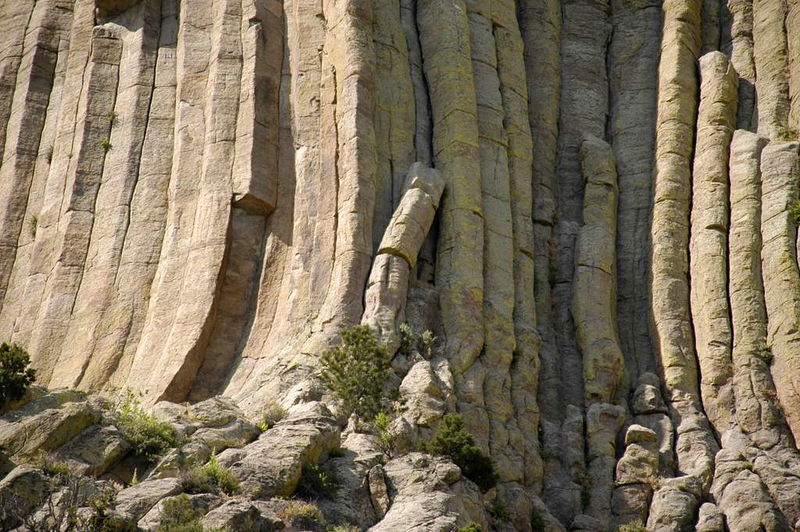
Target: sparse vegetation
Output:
{"points": [[765, 354], [317, 482], [635, 526], [386, 442], [178, 515], [454, 441], [148, 437], [299, 511], [356, 371], [15, 375], [112, 117], [472, 527], [51, 466], [786, 133], [106, 145], [411, 341], [49, 155], [210, 478], [34, 224], [270, 415], [499, 510]]}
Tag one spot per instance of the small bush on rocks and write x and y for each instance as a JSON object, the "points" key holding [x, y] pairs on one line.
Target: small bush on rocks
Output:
{"points": [[148, 436], [356, 371], [15, 375], [210, 478], [453, 440], [386, 442], [317, 482], [635, 526], [472, 527], [177, 515], [270, 415], [299, 511]]}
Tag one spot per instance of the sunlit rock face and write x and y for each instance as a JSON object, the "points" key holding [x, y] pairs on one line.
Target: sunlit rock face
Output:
{"points": [[593, 205]]}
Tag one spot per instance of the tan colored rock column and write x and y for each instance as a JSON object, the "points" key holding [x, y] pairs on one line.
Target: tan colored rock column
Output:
{"points": [[121, 325], [387, 287], [770, 56], [14, 20], [594, 294], [47, 27], [672, 327], [737, 43], [633, 90], [76, 217], [489, 379], [525, 364], [708, 244], [459, 268], [780, 171], [119, 180]]}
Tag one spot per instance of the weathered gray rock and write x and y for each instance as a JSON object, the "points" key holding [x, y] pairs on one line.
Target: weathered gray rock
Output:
{"points": [[134, 502]]}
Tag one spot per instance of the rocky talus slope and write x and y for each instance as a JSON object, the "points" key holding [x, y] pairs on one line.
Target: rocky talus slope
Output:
{"points": [[593, 205]]}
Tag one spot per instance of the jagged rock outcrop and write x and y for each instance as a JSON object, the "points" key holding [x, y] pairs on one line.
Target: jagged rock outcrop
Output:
{"points": [[591, 205]]}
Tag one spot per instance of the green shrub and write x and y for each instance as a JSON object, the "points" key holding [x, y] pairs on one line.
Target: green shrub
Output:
{"points": [[386, 442], [317, 482], [765, 354], [635, 526], [786, 133], [15, 375], [149, 437], [410, 341], [453, 440], [499, 510], [270, 415], [210, 478], [178, 515], [471, 527], [356, 371]]}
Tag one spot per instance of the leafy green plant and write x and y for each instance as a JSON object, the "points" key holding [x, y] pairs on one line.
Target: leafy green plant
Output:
{"points": [[410, 341], [112, 117], [15, 375], [270, 415], [471, 527], [356, 371], [386, 442], [148, 436], [454, 441], [794, 212], [317, 482], [499, 510], [106, 145], [211, 478]]}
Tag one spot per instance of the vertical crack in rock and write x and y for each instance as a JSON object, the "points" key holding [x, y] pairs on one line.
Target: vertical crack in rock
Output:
{"points": [[770, 56], [708, 244], [672, 326]]}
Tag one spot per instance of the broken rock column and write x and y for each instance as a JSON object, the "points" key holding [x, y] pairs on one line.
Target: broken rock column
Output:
{"points": [[387, 287]]}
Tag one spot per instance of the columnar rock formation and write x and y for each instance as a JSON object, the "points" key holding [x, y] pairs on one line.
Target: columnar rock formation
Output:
{"points": [[593, 205]]}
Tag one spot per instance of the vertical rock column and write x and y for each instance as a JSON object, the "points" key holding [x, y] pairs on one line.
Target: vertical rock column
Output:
{"points": [[120, 326], [633, 85], [737, 43], [540, 26], [120, 177], [594, 300], [488, 380], [708, 244], [525, 365], [770, 56], [76, 218], [443, 28], [48, 25], [672, 327], [594, 291], [780, 171], [792, 25]]}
